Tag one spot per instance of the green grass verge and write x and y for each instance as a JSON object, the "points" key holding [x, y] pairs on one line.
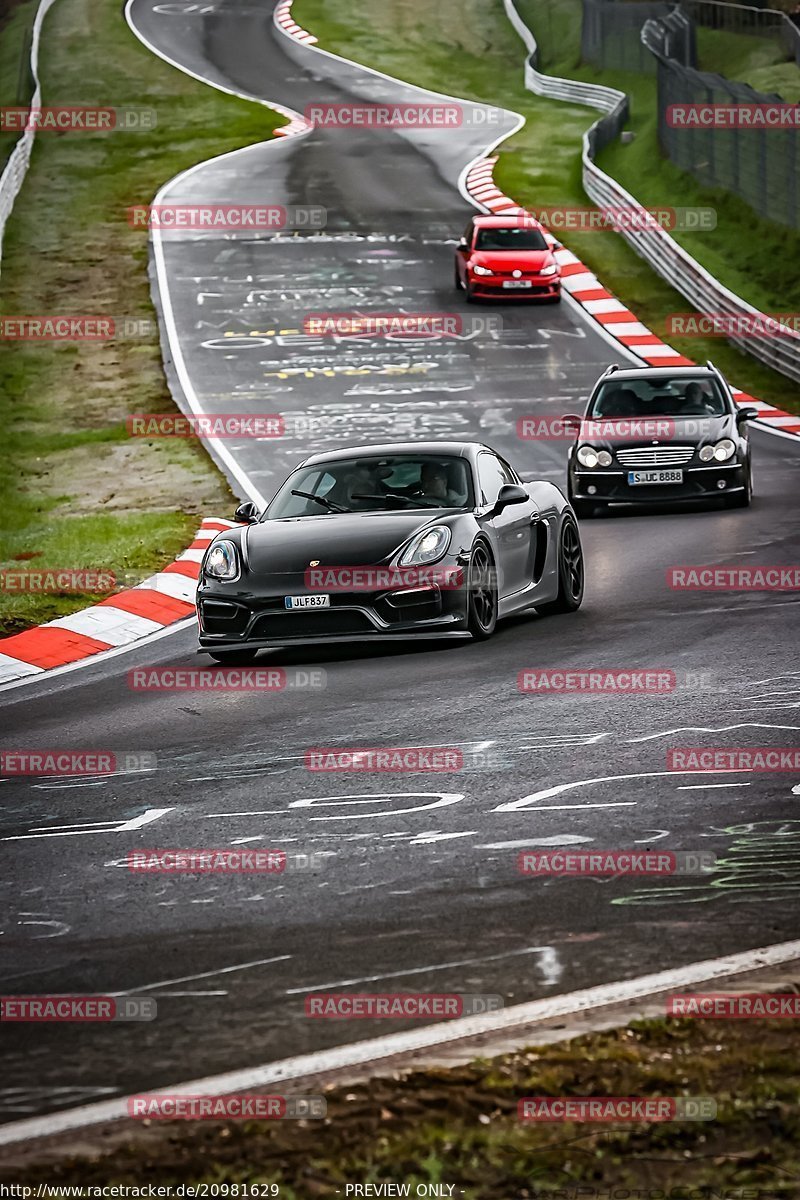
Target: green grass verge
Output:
{"points": [[758, 61], [459, 1127], [468, 48], [16, 83], [76, 492]]}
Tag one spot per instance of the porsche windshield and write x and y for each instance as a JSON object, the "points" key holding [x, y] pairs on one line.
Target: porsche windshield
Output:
{"points": [[378, 484], [679, 396]]}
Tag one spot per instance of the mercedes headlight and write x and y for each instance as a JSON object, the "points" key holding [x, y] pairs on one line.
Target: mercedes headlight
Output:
{"points": [[551, 270], [721, 452], [222, 561], [589, 457], [426, 547], [479, 270]]}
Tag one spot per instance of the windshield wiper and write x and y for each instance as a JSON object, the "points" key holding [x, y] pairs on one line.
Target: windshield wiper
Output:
{"points": [[415, 501], [331, 507]]}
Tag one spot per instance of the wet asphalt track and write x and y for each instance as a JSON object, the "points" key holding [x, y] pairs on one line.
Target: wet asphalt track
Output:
{"points": [[418, 889]]}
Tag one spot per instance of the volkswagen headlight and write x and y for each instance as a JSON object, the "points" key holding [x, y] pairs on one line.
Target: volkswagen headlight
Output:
{"points": [[721, 452], [426, 547], [222, 561], [551, 270], [479, 270]]}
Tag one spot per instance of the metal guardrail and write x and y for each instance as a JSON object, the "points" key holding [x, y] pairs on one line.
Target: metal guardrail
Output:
{"points": [[18, 160], [653, 243]]}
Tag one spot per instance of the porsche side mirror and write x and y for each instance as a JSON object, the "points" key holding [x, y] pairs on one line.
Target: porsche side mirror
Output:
{"points": [[748, 413], [246, 513], [510, 493]]}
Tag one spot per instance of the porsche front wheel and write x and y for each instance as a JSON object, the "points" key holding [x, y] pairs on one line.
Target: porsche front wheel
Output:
{"points": [[481, 594]]}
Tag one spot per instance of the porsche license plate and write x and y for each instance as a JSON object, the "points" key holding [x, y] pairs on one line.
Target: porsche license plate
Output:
{"points": [[316, 601], [516, 283], [635, 478]]}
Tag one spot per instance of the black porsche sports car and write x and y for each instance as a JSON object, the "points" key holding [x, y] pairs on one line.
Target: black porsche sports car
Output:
{"points": [[420, 539], [656, 435]]}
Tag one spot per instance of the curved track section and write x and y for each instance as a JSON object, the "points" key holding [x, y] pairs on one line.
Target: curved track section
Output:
{"points": [[418, 887]]}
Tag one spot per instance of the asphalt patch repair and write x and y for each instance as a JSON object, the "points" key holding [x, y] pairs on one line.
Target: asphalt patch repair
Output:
{"points": [[458, 1128]]}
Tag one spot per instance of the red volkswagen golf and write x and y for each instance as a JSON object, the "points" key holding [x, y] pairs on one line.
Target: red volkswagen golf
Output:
{"points": [[508, 257]]}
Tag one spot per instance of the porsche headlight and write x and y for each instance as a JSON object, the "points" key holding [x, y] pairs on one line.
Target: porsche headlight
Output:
{"points": [[588, 456], [222, 561], [479, 270], [426, 547], [551, 270], [721, 452]]}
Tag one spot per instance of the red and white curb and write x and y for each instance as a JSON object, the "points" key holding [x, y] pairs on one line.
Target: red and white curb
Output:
{"points": [[119, 620], [283, 17], [296, 123], [617, 321]]}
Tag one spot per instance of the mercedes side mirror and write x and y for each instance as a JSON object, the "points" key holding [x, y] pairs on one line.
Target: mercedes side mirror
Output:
{"points": [[747, 413], [247, 513], [571, 421], [510, 493]]}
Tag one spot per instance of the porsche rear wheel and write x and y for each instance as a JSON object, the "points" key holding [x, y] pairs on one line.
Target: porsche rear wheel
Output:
{"points": [[481, 594], [570, 572]]}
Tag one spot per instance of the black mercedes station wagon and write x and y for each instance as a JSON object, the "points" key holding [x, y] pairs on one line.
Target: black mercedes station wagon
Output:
{"points": [[656, 435]]}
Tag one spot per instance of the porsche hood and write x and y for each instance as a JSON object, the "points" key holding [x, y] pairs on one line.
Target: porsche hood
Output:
{"points": [[340, 539]]}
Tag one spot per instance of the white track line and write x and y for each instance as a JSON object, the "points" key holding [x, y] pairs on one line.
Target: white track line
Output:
{"points": [[372, 1051]]}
